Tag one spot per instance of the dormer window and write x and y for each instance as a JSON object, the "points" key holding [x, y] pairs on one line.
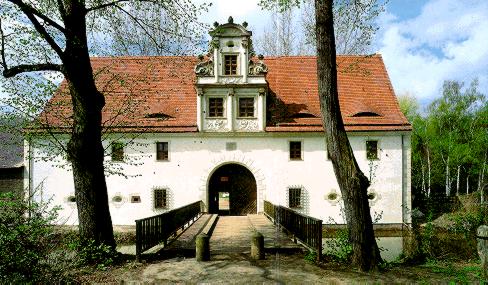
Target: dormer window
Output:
{"points": [[215, 107], [246, 107], [230, 64]]}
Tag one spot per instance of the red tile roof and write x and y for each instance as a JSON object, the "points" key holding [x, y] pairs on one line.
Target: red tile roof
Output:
{"points": [[157, 94]]}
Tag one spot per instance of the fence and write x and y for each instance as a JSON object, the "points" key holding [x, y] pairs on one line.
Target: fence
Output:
{"points": [[306, 229], [157, 229]]}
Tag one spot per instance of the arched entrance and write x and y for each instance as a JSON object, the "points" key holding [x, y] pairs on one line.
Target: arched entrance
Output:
{"points": [[232, 191]]}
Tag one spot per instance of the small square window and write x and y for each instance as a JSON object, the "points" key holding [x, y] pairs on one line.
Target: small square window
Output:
{"points": [[162, 151], [230, 64], [294, 197], [295, 150], [160, 199], [215, 107], [246, 107], [135, 199], [372, 149], [117, 151]]}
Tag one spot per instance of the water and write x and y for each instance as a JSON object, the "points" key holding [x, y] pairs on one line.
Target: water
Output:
{"points": [[390, 247]]}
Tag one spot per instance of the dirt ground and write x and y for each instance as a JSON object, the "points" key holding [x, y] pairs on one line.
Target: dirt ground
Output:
{"points": [[276, 269]]}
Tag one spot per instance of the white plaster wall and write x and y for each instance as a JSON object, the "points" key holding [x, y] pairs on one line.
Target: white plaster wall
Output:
{"points": [[194, 157]]}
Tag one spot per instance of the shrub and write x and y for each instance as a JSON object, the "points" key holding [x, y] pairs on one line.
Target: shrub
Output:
{"points": [[339, 247], [25, 236], [90, 253]]}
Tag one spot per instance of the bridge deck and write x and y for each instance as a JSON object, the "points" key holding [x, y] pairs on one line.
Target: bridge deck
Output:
{"points": [[231, 235]]}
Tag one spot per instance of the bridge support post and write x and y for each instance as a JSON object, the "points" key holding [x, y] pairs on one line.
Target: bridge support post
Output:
{"points": [[257, 246], [202, 247]]}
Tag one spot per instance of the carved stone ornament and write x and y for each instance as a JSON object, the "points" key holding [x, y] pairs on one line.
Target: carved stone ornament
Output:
{"points": [[248, 125], [257, 68], [205, 68], [333, 197], [230, 80], [216, 125]]}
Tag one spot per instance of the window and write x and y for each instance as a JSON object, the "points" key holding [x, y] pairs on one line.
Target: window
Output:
{"points": [[230, 64], [246, 107], [162, 151], [215, 107], [372, 149], [295, 150], [117, 151], [135, 199], [294, 197], [160, 199]]}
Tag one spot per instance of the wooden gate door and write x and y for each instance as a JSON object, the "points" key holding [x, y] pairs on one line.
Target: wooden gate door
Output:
{"points": [[239, 184]]}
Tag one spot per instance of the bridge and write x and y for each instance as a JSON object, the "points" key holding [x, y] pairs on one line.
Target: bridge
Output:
{"points": [[174, 233]]}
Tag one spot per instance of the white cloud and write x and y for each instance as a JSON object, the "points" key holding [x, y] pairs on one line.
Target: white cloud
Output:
{"points": [[448, 40]]}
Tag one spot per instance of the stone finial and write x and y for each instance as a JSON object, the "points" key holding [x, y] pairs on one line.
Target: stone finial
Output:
{"points": [[244, 24], [216, 24], [230, 20], [201, 57], [260, 57]]}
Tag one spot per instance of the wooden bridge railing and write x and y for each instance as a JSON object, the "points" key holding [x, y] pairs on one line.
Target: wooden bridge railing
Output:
{"points": [[157, 229], [306, 229]]}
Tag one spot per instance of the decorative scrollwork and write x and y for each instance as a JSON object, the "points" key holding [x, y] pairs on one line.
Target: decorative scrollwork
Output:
{"points": [[257, 68], [216, 125], [204, 68], [247, 125]]}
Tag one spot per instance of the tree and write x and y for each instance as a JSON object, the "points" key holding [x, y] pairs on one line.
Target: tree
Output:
{"points": [[352, 182], [53, 36], [355, 27], [281, 38], [355, 24]]}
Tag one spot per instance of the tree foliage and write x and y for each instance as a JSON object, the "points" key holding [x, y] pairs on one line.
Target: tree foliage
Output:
{"points": [[355, 26], [449, 142], [58, 37]]}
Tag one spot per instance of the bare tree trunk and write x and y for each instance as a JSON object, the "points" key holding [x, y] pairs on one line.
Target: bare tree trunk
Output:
{"points": [[422, 167], [467, 184], [448, 186], [457, 179], [85, 150], [353, 183]]}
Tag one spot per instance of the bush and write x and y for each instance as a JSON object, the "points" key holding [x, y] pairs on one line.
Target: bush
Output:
{"points": [[90, 253], [339, 247], [25, 237]]}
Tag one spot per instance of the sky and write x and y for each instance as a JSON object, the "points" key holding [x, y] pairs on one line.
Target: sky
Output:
{"points": [[423, 42]]}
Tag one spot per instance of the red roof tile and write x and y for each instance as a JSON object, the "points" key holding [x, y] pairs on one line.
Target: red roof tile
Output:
{"points": [[157, 94]]}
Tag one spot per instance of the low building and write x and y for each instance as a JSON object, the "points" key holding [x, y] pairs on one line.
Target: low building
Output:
{"points": [[234, 130]]}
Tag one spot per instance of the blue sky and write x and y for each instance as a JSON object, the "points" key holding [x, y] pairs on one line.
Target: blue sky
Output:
{"points": [[423, 42]]}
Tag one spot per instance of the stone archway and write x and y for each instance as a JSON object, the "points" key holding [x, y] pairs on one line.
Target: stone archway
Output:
{"points": [[232, 191]]}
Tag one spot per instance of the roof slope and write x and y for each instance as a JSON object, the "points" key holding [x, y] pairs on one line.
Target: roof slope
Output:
{"points": [[157, 94]]}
